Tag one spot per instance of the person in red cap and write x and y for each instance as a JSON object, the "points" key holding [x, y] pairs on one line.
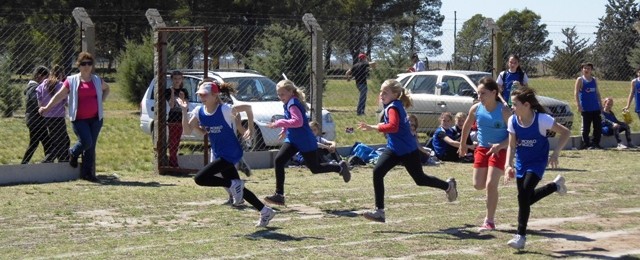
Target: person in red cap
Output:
{"points": [[214, 118], [360, 71]]}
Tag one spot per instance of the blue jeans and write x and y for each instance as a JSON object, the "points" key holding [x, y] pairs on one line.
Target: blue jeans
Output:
{"points": [[87, 131], [363, 98]]}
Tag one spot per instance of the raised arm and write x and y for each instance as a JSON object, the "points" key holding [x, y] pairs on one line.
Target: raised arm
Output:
{"points": [[189, 124], [59, 96], [247, 109]]}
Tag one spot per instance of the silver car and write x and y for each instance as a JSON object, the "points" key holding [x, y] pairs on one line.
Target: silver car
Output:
{"points": [[253, 89], [431, 97]]}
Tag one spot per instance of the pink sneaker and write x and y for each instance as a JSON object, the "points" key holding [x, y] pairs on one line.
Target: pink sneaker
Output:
{"points": [[487, 226]]}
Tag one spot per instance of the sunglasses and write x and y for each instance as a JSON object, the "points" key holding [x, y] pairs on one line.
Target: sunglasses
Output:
{"points": [[86, 63]]}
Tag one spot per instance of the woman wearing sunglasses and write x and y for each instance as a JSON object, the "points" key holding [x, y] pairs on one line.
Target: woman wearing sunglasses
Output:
{"points": [[86, 93]]}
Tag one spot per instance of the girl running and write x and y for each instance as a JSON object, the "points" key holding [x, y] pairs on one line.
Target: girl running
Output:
{"points": [[528, 141], [297, 137], [215, 118], [489, 156], [401, 148]]}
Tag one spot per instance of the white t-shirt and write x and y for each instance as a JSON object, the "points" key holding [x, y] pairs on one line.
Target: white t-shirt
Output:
{"points": [[545, 122]]}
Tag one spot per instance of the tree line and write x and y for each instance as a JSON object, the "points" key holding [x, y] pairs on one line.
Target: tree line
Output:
{"points": [[615, 51], [384, 28]]}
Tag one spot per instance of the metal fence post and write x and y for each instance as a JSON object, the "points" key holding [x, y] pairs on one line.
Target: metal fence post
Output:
{"points": [[317, 70], [87, 29], [160, 70]]}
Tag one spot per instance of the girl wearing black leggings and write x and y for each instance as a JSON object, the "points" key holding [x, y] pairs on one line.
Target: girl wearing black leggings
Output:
{"points": [[215, 118], [401, 148], [527, 140], [299, 137]]}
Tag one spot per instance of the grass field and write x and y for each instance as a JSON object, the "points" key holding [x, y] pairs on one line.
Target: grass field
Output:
{"points": [[135, 213]]}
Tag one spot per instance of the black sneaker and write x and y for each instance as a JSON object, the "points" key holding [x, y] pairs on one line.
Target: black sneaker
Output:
{"points": [[73, 160], [276, 199], [344, 171]]}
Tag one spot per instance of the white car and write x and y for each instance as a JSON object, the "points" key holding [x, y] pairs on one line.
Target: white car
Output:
{"points": [[252, 88], [431, 96]]}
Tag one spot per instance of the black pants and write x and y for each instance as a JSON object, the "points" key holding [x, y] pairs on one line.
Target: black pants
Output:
{"points": [[528, 195], [589, 118], [37, 134], [206, 177], [623, 128], [311, 160], [58, 140], [411, 161]]}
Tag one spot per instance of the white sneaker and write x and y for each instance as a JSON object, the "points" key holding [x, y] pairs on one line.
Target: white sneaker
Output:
{"points": [[517, 241], [230, 200], [452, 191], [559, 181], [375, 215], [621, 146], [266, 214], [237, 191]]}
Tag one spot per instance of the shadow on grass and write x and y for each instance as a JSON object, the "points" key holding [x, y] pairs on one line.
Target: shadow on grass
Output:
{"points": [[115, 181], [269, 233], [552, 234], [590, 253], [458, 233], [343, 213], [560, 169]]}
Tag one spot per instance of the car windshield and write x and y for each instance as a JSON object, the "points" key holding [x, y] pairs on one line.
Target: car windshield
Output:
{"points": [[476, 77], [254, 88]]}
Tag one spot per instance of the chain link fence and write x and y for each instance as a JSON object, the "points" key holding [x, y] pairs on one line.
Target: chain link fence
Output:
{"points": [[254, 58], [32, 58]]}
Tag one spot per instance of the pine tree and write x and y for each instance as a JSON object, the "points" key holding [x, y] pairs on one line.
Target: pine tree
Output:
{"points": [[565, 62], [525, 36], [472, 42], [615, 38]]}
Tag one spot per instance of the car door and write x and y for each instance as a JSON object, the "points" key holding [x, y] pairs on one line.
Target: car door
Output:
{"points": [[422, 89], [453, 96]]}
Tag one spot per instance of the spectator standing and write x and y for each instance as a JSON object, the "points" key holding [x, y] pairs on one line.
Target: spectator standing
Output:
{"points": [[587, 96], [511, 78], [58, 138], [360, 71], [418, 65], [35, 122], [401, 148], [528, 141], [174, 120], [86, 92], [634, 92], [612, 126]]}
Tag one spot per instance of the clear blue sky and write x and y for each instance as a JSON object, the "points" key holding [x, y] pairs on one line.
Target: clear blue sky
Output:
{"points": [[556, 14]]}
